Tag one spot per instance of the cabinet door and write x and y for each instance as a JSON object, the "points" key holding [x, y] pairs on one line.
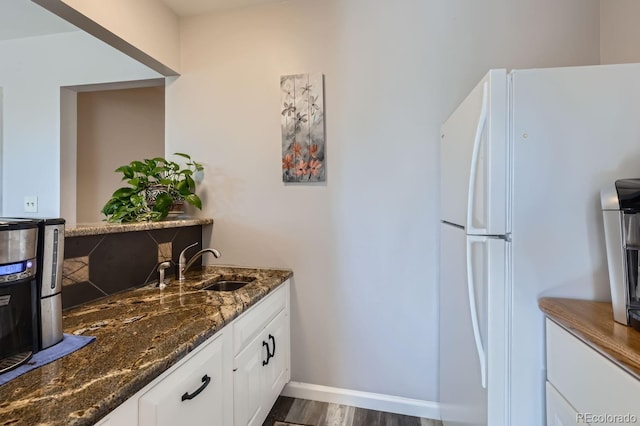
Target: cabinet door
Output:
{"points": [[191, 395], [276, 373], [248, 401], [260, 372], [559, 411]]}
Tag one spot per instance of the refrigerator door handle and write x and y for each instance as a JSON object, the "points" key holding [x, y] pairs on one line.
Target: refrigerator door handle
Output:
{"points": [[473, 310], [482, 120]]}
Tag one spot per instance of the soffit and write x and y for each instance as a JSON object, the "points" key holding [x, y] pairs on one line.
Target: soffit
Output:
{"points": [[202, 7]]}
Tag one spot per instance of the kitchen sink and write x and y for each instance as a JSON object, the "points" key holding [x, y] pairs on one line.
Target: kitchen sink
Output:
{"points": [[228, 284]]}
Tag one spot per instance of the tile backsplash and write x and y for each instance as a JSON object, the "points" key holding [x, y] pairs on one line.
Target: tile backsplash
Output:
{"points": [[96, 266]]}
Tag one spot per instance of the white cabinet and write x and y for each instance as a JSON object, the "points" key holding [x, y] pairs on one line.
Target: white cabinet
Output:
{"points": [[194, 394], [248, 408], [262, 365], [125, 415], [559, 411], [592, 387], [276, 373], [233, 378]]}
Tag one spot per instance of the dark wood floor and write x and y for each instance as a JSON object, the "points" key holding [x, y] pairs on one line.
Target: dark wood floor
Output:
{"points": [[314, 413]]}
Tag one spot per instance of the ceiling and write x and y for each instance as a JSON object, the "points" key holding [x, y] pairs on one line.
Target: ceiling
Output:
{"points": [[201, 7], [23, 18]]}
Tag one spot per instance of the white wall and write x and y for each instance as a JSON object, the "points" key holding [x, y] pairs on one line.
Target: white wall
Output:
{"points": [[1, 142], [363, 245], [619, 31], [31, 73]]}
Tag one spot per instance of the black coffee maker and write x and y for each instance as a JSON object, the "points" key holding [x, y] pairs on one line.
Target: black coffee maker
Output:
{"points": [[31, 259], [19, 323]]}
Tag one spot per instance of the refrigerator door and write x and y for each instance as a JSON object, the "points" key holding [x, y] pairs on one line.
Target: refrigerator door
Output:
{"points": [[473, 328], [474, 159], [463, 399], [575, 131]]}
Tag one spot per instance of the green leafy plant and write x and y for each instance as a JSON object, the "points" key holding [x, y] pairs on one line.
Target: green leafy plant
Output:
{"points": [[155, 186]]}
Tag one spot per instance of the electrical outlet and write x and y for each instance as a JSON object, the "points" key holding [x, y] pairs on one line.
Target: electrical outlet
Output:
{"points": [[31, 204]]}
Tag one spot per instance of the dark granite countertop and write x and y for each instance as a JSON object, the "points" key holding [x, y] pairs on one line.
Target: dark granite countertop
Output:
{"points": [[140, 334], [100, 228]]}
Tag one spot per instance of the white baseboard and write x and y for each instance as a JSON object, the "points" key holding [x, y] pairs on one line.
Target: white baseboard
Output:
{"points": [[368, 400]]}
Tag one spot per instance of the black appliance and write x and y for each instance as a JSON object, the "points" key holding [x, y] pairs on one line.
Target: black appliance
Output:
{"points": [[31, 259], [19, 317]]}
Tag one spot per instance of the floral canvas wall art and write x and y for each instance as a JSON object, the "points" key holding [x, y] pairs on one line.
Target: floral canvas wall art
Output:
{"points": [[303, 142]]}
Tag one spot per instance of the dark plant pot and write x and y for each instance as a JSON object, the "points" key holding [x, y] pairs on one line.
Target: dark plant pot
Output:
{"points": [[152, 193], [155, 190], [177, 208]]}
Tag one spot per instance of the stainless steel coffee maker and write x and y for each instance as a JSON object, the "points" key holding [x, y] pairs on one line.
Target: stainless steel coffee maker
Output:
{"points": [[49, 277], [31, 260], [621, 214]]}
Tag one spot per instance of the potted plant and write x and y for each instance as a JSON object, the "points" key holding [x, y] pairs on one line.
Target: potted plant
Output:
{"points": [[156, 186]]}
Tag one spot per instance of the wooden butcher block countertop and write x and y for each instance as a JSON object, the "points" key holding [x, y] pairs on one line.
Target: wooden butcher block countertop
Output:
{"points": [[592, 322]]}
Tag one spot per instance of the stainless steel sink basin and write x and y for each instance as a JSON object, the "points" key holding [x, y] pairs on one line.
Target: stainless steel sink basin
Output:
{"points": [[228, 284]]}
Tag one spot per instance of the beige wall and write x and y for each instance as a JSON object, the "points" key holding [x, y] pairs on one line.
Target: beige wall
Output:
{"points": [[363, 246], [147, 30], [619, 31], [114, 128]]}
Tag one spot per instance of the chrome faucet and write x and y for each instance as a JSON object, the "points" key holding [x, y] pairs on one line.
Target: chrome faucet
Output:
{"points": [[161, 268], [183, 265]]}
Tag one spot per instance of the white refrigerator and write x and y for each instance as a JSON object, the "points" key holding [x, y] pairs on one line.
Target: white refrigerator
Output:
{"points": [[523, 160]]}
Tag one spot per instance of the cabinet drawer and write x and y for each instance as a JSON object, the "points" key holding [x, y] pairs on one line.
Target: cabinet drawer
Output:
{"points": [[559, 411], [191, 395], [588, 381], [248, 325]]}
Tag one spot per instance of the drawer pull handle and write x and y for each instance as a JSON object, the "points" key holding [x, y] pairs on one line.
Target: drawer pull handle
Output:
{"points": [[273, 344], [270, 353], [205, 382]]}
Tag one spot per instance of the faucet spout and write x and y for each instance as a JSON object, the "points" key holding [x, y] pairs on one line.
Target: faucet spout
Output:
{"points": [[182, 268]]}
